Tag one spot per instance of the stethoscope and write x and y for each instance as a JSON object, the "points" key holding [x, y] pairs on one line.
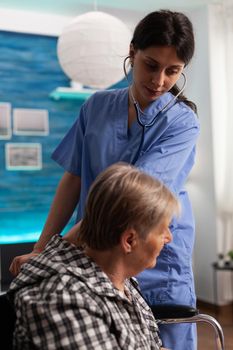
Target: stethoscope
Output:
{"points": [[140, 113]]}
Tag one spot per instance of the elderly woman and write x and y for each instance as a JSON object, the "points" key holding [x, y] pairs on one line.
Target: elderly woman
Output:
{"points": [[81, 295]]}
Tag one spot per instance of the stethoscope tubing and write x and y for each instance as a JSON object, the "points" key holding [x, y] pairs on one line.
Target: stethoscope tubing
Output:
{"points": [[139, 112], [152, 122], [135, 158]]}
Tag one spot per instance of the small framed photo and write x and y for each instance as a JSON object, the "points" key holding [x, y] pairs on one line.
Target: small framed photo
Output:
{"points": [[5, 121], [23, 156], [28, 121]]}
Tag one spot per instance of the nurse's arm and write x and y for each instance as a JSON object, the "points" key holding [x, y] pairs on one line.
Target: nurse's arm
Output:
{"points": [[62, 208], [64, 203]]}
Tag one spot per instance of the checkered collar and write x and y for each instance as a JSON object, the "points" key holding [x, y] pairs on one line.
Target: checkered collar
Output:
{"points": [[61, 257]]}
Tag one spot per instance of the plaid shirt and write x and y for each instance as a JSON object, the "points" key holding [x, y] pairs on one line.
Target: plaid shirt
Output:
{"points": [[64, 300]]}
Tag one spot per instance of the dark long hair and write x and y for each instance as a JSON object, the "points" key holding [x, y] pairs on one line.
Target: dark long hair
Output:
{"points": [[167, 28]]}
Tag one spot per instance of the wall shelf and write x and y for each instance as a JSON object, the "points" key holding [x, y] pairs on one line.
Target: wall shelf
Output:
{"points": [[70, 93]]}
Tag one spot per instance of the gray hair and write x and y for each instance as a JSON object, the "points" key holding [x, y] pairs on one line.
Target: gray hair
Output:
{"points": [[120, 198]]}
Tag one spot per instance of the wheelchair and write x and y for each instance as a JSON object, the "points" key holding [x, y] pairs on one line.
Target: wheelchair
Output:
{"points": [[164, 314], [168, 314]]}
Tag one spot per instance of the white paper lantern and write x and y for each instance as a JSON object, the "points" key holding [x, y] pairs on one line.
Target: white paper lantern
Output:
{"points": [[92, 48]]}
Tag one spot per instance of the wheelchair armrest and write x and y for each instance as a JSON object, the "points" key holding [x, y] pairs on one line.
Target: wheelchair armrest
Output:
{"points": [[169, 311]]}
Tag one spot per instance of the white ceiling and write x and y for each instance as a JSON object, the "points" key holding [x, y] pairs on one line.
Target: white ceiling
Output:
{"points": [[73, 7], [27, 16]]}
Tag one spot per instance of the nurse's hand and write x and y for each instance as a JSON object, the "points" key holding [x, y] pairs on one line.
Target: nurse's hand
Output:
{"points": [[18, 261]]}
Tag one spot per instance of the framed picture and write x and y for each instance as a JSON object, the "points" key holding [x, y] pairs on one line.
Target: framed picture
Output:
{"points": [[5, 121], [30, 121], [23, 156]]}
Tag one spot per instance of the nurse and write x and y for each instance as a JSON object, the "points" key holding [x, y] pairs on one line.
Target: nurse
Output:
{"points": [[153, 126]]}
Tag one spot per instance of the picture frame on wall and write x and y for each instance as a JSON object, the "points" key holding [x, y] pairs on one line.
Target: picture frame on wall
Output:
{"points": [[23, 156], [27, 121], [5, 121]]}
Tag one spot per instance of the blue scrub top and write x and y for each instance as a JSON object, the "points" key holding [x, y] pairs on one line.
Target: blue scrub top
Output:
{"points": [[100, 137]]}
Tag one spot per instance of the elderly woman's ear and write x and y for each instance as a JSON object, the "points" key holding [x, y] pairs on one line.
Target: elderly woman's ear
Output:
{"points": [[128, 240]]}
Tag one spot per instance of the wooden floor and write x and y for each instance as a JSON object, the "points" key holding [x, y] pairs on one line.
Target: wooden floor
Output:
{"points": [[206, 336]]}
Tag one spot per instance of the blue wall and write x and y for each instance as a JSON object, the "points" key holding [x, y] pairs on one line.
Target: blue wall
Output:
{"points": [[29, 71]]}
